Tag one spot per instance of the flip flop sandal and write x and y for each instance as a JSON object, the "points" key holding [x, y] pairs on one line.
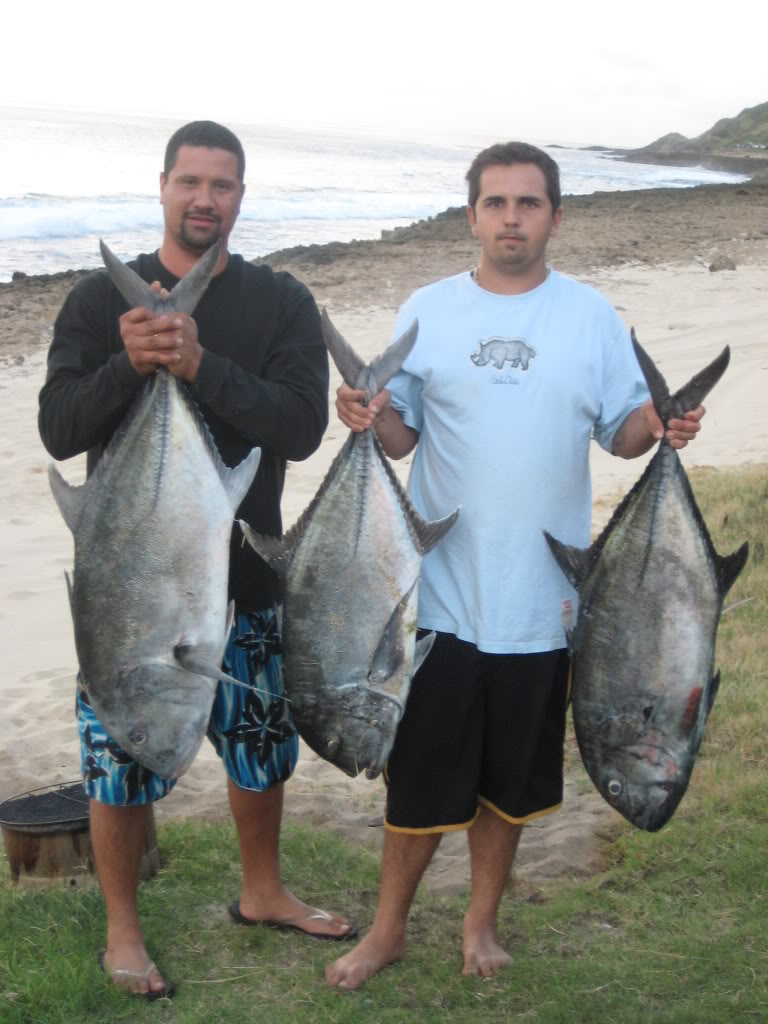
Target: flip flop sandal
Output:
{"points": [[123, 974], [292, 926]]}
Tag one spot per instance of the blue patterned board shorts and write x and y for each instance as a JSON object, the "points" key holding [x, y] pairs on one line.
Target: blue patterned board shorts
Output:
{"points": [[251, 730]]}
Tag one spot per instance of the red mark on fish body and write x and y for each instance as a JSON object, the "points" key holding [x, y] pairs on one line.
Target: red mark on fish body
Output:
{"points": [[691, 712]]}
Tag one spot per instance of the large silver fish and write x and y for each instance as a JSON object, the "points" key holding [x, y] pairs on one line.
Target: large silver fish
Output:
{"points": [[651, 591], [351, 566], [152, 528]]}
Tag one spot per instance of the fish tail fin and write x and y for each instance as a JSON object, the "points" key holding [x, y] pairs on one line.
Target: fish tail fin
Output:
{"points": [[386, 365], [187, 293], [352, 368], [691, 395], [573, 561], [729, 567], [182, 299]]}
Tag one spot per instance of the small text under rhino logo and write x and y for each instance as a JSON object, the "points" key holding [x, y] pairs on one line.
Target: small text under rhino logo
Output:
{"points": [[501, 350]]}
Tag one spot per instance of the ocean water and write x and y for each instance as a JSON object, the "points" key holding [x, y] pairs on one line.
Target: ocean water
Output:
{"points": [[67, 180]]}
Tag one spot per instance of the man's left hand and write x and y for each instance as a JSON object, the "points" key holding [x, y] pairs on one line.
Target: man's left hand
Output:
{"points": [[189, 352]]}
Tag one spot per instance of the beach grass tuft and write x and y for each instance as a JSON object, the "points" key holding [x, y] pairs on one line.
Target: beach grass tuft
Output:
{"points": [[673, 930]]}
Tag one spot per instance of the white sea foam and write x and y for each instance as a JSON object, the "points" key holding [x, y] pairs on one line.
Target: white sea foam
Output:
{"points": [[75, 178]]}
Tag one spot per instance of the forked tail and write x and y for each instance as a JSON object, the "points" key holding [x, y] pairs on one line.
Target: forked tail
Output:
{"points": [[690, 396]]}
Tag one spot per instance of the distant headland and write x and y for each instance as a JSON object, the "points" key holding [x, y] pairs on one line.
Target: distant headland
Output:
{"points": [[736, 144]]}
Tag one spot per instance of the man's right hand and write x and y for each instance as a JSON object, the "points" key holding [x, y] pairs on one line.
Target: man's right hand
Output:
{"points": [[356, 416]]}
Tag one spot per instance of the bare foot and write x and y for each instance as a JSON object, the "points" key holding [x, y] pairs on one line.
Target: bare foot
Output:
{"points": [[483, 954], [373, 953], [286, 911], [129, 967]]}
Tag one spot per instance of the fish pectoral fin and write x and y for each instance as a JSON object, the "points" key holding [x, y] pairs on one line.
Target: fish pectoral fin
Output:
{"points": [[430, 533], [70, 499], [423, 647], [276, 553], [237, 481], [728, 567], [187, 659], [574, 562], [390, 652]]}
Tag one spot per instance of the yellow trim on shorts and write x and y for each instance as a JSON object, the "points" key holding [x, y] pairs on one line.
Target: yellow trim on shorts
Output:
{"points": [[433, 829], [519, 821]]}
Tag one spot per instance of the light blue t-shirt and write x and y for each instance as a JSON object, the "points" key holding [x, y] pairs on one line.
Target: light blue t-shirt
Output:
{"points": [[506, 392]]}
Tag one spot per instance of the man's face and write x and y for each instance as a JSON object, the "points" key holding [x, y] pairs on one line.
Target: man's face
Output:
{"points": [[513, 216], [201, 196]]}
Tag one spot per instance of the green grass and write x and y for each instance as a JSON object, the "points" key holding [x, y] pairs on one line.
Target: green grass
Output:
{"points": [[674, 930]]}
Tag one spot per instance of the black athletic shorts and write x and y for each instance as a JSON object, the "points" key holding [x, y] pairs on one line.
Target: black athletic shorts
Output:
{"points": [[478, 728]]}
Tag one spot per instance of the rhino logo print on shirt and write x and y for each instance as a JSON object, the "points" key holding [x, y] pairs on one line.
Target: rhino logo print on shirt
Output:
{"points": [[501, 350]]}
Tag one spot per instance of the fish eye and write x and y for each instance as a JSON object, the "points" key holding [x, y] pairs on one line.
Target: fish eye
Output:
{"points": [[137, 736], [614, 787]]}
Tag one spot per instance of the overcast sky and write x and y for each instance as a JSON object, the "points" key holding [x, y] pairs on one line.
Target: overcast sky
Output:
{"points": [[613, 73]]}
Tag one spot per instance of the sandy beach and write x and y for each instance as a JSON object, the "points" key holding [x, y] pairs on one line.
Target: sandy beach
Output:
{"points": [[649, 252]]}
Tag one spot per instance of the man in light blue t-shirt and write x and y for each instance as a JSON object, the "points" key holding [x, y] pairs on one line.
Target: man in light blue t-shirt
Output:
{"points": [[515, 369]]}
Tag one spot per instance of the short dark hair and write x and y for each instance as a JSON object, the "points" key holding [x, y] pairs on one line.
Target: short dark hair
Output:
{"points": [[204, 133], [508, 154]]}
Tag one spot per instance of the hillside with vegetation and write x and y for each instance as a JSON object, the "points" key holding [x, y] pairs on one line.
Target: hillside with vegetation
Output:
{"points": [[737, 144]]}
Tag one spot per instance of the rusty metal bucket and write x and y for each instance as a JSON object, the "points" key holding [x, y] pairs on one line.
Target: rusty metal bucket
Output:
{"points": [[47, 838]]}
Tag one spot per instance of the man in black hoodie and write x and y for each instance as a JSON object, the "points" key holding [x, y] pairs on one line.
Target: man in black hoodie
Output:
{"points": [[255, 361]]}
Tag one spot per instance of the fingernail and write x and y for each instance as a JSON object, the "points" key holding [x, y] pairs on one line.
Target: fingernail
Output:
{"points": [[177, 323], [179, 342]]}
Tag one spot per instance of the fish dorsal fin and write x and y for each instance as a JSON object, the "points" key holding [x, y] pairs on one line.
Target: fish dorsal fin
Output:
{"points": [[182, 299], [430, 533], [237, 481], [389, 653], [70, 499], [575, 562], [729, 567], [277, 553], [356, 374], [690, 396]]}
